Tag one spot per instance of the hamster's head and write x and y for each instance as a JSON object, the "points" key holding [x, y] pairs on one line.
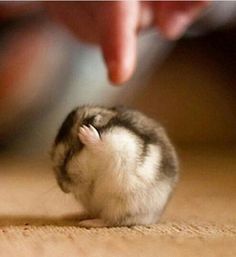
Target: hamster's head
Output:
{"points": [[67, 142]]}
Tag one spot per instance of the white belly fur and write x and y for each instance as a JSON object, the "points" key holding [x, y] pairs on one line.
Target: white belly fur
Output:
{"points": [[121, 184]]}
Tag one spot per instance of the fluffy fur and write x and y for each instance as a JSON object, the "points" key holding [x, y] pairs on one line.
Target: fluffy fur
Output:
{"points": [[118, 163]]}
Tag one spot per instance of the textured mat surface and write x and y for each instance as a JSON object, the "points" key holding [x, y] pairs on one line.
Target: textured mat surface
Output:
{"points": [[167, 239], [36, 219]]}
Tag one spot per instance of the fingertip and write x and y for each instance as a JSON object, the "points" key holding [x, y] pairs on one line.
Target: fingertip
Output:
{"points": [[120, 71], [120, 57]]}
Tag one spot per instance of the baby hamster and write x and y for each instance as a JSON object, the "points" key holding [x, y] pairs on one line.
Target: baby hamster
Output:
{"points": [[117, 162]]}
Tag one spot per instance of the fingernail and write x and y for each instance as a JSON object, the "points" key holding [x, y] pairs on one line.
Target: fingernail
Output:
{"points": [[177, 24]]}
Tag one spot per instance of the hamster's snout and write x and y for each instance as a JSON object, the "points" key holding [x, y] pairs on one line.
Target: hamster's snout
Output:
{"points": [[63, 184]]}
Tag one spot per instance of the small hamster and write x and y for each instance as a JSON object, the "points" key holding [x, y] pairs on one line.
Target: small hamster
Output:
{"points": [[117, 162]]}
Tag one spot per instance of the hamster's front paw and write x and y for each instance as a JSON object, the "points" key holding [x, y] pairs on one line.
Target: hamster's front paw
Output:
{"points": [[88, 135], [92, 223]]}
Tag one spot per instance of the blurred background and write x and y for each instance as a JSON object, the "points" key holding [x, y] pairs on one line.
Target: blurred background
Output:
{"points": [[189, 85]]}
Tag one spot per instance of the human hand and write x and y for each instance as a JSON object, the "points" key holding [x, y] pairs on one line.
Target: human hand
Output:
{"points": [[115, 26]]}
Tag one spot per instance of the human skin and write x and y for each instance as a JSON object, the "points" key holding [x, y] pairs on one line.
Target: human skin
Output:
{"points": [[114, 26]]}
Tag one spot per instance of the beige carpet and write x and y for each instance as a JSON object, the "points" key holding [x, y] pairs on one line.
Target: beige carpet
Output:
{"points": [[36, 219]]}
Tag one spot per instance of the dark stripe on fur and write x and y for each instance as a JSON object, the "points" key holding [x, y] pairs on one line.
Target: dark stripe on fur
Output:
{"points": [[64, 131]]}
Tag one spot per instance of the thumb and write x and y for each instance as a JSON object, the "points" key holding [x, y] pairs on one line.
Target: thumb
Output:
{"points": [[173, 18]]}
